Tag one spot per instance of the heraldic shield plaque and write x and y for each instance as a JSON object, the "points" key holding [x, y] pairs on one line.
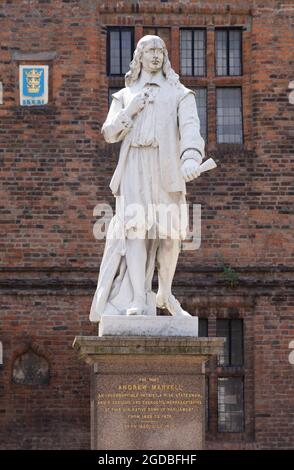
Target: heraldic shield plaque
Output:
{"points": [[33, 85]]}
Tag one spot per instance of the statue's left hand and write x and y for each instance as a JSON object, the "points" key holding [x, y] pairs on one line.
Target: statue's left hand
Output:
{"points": [[190, 169]]}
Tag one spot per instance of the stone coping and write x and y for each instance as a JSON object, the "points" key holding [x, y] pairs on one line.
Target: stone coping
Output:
{"points": [[46, 55], [90, 346]]}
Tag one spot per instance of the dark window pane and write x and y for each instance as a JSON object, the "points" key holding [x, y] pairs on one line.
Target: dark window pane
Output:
{"points": [[235, 52], [221, 52], [223, 330], [229, 115], [115, 52], [192, 52], [232, 330], [110, 92], [203, 327], [230, 404], [120, 44], [186, 52], [126, 51], [199, 53], [228, 44], [201, 101], [236, 342]]}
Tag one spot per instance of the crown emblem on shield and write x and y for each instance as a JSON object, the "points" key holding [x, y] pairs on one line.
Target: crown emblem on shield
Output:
{"points": [[33, 80]]}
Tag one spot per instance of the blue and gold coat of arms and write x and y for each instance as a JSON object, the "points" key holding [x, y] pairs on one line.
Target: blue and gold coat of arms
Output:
{"points": [[33, 85]]}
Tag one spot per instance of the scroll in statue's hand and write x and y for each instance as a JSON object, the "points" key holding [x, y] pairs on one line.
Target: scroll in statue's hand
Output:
{"points": [[190, 169], [136, 104]]}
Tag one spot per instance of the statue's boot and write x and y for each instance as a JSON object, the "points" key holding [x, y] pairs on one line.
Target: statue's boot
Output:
{"points": [[171, 304]]}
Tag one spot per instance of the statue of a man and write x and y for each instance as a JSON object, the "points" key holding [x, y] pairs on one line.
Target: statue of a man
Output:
{"points": [[155, 117]]}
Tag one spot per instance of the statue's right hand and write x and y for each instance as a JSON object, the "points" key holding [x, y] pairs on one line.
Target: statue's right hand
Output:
{"points": [[136, 104]]}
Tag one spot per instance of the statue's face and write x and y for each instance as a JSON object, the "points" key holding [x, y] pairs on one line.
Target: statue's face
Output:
{"points": [[152, 56]]}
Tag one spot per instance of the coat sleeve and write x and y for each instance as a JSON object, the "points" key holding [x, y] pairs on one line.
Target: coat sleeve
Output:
{"points": [[189, 126], [118, 123]]}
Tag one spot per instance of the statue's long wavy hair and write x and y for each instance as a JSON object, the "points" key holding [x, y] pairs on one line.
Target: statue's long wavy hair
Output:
{"points": [[136, 65]]}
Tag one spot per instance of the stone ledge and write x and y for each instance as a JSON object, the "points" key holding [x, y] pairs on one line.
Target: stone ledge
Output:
{"points": [[90, 347], [19, 56]]}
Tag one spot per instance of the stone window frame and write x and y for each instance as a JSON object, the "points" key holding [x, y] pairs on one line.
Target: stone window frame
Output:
{"points": [[245, 372], [213, 372], [212, 81]]}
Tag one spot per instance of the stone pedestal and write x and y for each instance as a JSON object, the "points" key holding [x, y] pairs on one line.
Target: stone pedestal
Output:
{"points": [[147, 393], [137, 325]]}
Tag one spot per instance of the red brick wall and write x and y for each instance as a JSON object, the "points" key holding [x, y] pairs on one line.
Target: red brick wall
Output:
{"points": [[54, 169], [47, 417]]}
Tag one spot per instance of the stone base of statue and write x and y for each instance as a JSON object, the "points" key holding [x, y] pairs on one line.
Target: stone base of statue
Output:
{"points": [[147, 388]]}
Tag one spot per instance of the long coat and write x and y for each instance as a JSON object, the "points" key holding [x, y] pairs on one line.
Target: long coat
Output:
{"points": [[177, 129]]}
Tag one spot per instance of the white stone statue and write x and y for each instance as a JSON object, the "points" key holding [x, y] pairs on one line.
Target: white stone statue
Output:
{"points": [[155, 117]]}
